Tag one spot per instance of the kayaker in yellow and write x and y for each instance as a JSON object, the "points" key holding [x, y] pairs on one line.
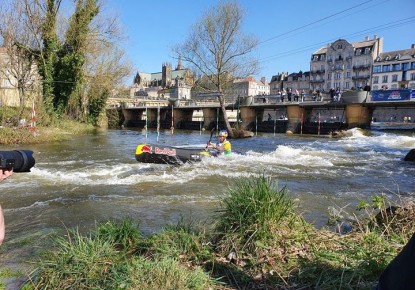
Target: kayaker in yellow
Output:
{"points": [[224, 146]]}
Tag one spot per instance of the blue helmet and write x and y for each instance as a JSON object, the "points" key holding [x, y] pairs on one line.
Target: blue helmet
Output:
{"points": [[223, 133]]}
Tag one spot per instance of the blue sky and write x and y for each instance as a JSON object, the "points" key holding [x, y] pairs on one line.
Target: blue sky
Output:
{"points": [[289, 31]]}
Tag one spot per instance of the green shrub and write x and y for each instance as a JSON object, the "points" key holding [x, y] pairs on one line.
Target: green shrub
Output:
{"points": [[124, 235], [181, 241], [167, 273], [252, 210]]}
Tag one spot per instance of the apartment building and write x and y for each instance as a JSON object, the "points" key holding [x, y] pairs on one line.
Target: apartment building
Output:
{"points": [[250, 87], [344, 65], [297, 81], [394, 70]]}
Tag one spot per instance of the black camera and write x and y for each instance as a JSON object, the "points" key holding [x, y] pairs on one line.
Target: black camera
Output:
{"points": [[19, 160]]}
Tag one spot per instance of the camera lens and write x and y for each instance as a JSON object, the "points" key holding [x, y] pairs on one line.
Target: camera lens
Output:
{"points": [[19, 160]]}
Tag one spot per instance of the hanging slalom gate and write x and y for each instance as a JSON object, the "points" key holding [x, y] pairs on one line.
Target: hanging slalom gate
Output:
{"points": [[33, 120]]}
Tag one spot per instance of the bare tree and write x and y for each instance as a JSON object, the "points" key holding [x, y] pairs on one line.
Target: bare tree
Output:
{"points": [[219, 51]]}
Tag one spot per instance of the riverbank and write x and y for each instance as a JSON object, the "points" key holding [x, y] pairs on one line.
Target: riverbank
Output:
{"points": [[258, 241], [63, 130]]}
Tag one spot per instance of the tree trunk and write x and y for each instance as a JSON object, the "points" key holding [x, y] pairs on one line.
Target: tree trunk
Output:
{"points": [[225, 115]]}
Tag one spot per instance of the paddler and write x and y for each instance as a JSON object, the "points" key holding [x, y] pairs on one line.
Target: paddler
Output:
{"points": [[224, 146]]}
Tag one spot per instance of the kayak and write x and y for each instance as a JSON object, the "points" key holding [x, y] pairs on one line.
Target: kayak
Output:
{"points": [[149, 153]]}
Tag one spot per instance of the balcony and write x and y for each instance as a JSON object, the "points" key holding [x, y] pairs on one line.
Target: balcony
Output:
{"points": [[317, 81], [318, 72], [361, 67], [356, 78]]}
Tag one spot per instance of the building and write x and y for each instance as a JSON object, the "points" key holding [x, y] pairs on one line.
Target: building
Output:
{"points": [[249, 87], [394, 70], [277, 83], [19, 79], [344, 65], [297, 81], [168, 83]]}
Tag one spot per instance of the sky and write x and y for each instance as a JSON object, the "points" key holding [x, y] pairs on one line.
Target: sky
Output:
{"points": [[288, 31]]}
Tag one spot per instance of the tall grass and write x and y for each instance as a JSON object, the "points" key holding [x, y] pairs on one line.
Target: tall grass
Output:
{"points": [[258, 242], [254, 211]]}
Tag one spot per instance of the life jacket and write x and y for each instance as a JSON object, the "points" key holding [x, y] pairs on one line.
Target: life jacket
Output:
{"points": [[227, 148]]}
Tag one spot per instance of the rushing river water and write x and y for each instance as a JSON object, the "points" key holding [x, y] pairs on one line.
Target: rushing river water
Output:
{"points": [[94, 178]]}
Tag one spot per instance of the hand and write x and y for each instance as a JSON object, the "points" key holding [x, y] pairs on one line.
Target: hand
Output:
{"points": [[5, 172]]}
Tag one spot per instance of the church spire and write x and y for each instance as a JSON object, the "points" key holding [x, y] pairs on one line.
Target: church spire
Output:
{"points": [[179, 63]]}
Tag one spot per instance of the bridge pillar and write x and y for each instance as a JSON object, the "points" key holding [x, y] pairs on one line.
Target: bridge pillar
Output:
{"points": [[249, 116], [131, 116], [296, 115], [210, 116], [152, 118], [182, 115], [358, 115]]}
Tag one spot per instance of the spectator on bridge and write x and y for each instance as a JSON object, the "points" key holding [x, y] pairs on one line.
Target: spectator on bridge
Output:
{"points": [[302, 95], [296, 95], [283, 94], [332, 95], [289, 94]]}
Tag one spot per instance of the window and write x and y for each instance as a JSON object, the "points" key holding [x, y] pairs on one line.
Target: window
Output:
{"points": [[348, 74], [396, 67], [347, 84], [339, 46], [367, 50], [412, 65], [384, 79], [394, 78], [412, 76], [386, 68], [358, 51], [377, 69], [376, 80], [405, 66]]}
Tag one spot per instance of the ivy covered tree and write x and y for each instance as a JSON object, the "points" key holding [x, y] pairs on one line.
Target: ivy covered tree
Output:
{"points": [[78, 57]]}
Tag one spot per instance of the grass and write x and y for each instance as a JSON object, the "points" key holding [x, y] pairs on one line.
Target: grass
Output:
{"points": [[63, 130], [47, 128], [258, 242]]}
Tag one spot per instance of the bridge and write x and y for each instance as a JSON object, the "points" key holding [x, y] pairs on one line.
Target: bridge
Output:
{"points": [[268, 113]]}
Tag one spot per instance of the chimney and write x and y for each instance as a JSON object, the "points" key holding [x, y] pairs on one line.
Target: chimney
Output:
{"points": [[366, 38], [263, 80], [375, 36], [412, 45]]}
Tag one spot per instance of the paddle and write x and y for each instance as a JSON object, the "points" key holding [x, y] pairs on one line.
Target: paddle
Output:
{"points": [[210, 139]]}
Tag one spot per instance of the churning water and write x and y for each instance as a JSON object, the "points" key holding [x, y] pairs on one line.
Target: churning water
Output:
{"points": [[95, 178]]}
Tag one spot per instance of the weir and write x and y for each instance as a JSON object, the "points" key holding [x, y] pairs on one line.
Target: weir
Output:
{"points": [[294, 117]]}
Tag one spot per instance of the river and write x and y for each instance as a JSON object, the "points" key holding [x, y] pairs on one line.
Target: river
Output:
{"points": [[94, 178]]}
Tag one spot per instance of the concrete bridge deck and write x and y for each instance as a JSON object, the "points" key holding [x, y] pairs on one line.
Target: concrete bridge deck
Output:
{"points": [[267, 113]]}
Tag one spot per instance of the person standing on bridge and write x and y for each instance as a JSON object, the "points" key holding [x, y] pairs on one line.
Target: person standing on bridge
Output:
{"points": [[224, 146]]}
